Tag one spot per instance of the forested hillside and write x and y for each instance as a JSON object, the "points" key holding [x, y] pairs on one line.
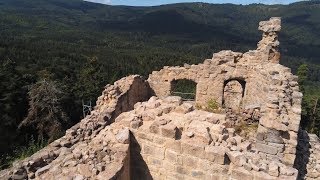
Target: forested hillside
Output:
{"points": [[56, 53]]}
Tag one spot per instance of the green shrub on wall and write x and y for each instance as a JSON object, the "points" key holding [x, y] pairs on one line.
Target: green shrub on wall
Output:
{"points": [[212, 105]]}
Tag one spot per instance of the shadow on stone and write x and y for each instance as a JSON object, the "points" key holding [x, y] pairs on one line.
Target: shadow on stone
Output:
{"points": [[139, 168], [178, 134], [303, 153]]}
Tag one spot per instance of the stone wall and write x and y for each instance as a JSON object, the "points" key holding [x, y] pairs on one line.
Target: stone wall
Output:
{"points": [[253, 68], [121, 97], [172, 140], [266, 84]]}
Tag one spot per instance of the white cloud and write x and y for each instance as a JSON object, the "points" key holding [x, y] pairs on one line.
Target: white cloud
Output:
{"points": [[100, 1]]}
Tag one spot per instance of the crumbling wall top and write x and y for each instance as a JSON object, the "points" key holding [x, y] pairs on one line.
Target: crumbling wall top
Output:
{"points": [[272, 25], [268, 47]]}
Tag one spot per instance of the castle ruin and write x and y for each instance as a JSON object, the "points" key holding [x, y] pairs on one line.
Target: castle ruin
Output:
{"points": [[139, 131]]}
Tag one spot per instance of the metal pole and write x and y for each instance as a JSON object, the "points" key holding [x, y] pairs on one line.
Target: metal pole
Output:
{"points": [[83, 110]]}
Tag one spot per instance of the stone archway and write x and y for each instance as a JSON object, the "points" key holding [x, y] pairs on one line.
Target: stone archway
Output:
{"points": [[233, 93]]}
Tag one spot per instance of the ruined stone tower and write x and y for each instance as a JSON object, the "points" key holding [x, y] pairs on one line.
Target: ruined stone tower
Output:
{"points": [[139, 131]]}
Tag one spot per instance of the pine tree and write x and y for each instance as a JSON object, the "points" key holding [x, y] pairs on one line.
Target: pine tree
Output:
{"points": [[45, 114], [303, 75], [91, 80]]}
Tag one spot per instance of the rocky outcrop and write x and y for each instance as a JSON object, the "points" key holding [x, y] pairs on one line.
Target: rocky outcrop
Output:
{"points": [[131, 135]]}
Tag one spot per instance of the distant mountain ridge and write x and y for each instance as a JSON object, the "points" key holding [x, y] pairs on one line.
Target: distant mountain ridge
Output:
{"points": [[196, 29], [198, 20]]}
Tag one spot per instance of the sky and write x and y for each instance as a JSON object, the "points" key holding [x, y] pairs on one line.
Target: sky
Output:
{"points": [[160, 2]]}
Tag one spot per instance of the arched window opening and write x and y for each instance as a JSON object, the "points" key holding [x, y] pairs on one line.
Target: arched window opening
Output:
{"points": [[184, 88], [233, 93]]}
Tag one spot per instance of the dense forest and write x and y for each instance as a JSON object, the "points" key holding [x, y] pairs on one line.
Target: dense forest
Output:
{"points": [[56, 53]]}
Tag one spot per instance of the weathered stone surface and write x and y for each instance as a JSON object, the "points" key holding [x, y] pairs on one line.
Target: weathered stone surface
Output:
{"points": [[123, 136], [42, 170], [216, 154], [273, 169], [273, 25], [78, 177], [266, 148], [184, 108], [169, 130], [241, 173], [192, 148], [84, 170], [236, 158]]}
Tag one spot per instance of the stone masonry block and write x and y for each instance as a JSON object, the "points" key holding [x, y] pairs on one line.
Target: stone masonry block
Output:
{"points": [[171, 156], [153, 168], [159, 140], [289, 158], [173, 145], [205, 165], [273, 169], [190, 161], [294, 126], [279, 146], [241, 173], [182, 170], [214, 177], [193, 149], [236, 158], [184, 108], [266, 148], [197, 174], [145, 136], [263, 176], [216, 154], [274, 136], [154, 151], [169, 130], [169, 166], [290, 149], [155, 162], [154, 128]]}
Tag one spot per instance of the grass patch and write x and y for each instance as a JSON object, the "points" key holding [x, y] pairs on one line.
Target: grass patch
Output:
{"points": [[246, 130], [211, 106], [22, 152]]}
